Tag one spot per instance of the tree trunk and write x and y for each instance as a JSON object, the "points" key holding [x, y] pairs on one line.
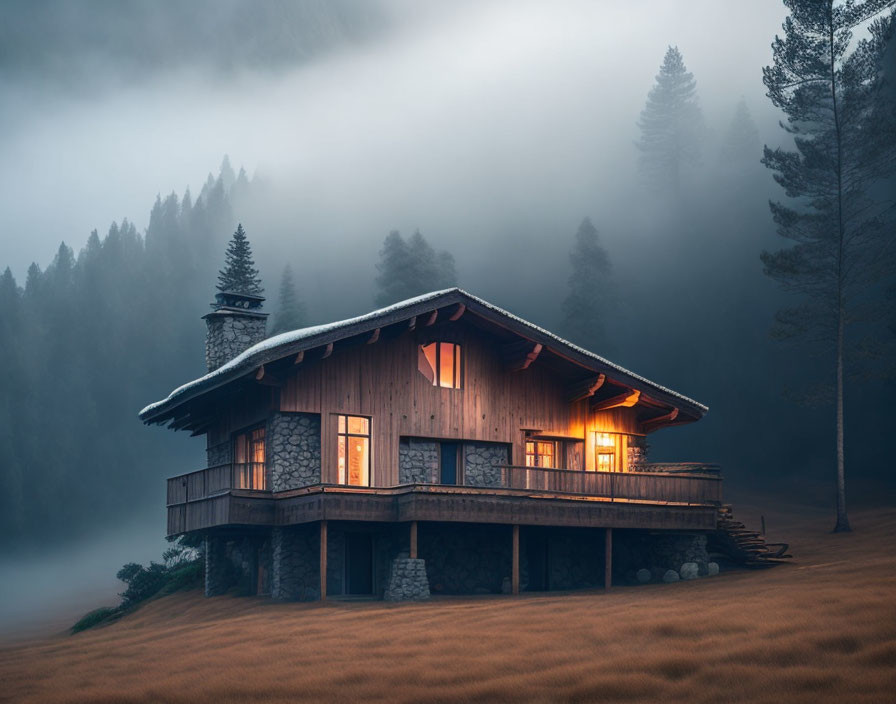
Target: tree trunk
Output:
{"points": [[842, 525]]}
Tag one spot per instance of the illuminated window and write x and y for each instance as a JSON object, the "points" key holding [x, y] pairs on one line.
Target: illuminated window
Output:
{"points": [[442, 364], [353, 435], [605, 452], [248, 459], [540, 453]]}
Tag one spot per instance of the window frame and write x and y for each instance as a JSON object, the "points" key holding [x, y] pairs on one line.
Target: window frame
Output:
{"points": [[536, 455], [346, 435], [458, 367], [241, 470], [613, 450]]}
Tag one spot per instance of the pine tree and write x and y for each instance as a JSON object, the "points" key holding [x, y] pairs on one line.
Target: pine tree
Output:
{"points": [[586, 305], [671, 125], [741, 147], [836, 222], [239, 274], [290, 311], [411, 268]]}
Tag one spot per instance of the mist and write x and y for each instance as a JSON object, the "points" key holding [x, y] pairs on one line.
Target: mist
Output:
{"points": [[493, 127]]}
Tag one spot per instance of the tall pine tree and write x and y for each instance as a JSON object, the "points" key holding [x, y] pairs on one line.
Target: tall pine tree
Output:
{"points": [[671, 125], [290, 310], [837, 224], [741, 147], [587, 304], [411, 268], [239, 274]]}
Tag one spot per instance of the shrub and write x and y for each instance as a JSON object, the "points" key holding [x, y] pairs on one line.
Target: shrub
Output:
{"points": [[104, 614]]}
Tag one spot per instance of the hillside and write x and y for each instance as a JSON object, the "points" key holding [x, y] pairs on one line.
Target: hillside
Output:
{"points": [[821, 629]]}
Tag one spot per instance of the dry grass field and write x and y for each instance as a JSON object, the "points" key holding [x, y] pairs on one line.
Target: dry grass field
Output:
{"points": [[822, 629]]}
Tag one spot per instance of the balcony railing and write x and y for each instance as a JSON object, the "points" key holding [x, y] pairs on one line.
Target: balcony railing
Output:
{"points": [[681, 483]]}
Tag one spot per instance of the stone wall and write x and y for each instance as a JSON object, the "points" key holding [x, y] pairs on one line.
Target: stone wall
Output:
{"points": [[658, 554], [234, 564], [229, 333], [637, 451], [418, 461], [465, 559], [293, 450], [483, 461], [407, 580], [218, 568], [295, 563]]}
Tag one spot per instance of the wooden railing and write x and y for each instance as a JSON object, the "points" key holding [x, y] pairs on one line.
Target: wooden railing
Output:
{"points": [[214, 480], [677, 487], [685, 483]]}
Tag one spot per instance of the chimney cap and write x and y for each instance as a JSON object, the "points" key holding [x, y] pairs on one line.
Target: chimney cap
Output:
{"points": [[235, 299]]}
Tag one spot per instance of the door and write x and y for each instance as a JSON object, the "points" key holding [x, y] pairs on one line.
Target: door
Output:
{"points": [[537, 551], [448, 463], [358, 563]]}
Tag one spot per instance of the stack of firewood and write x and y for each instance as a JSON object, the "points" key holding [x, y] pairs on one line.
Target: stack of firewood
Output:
{"points": [[734, 541]]}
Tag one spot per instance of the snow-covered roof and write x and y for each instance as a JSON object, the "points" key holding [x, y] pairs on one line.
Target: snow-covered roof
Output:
{"points": [[289, 343]]}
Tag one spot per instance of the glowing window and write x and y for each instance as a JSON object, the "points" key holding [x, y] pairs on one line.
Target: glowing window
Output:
{"points": [[442, 364], [540, 453], [353, 456], [249, 459], [605, 452]]}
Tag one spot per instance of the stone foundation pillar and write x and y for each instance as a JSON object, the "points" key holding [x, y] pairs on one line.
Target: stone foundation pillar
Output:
{"points": [[295, 556], [217, 567], [407, 580]]}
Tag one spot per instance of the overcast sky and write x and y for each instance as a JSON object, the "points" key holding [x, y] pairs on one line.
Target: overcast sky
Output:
{"points": [[452, 117]]}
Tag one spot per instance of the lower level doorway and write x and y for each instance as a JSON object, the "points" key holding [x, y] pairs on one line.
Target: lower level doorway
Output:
{"points": [[358, 564]]}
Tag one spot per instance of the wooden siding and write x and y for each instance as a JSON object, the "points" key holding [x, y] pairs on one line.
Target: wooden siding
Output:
{"points": [[382, 381]]}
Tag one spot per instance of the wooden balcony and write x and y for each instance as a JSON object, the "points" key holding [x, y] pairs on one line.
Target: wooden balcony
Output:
{"points": [[682, 497]]}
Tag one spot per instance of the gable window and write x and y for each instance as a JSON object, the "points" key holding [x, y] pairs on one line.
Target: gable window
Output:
{"points": [[605, 452], [540, 453], [353, 437], [249, 458], [442, 364]]}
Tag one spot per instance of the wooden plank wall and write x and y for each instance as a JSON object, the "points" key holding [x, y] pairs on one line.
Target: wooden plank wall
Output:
{"points": [[382, 381]]}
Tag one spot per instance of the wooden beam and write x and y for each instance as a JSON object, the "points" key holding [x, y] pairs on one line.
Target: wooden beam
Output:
{"points": [[328, 350], [623, 400], [299, 357], [432, 319], [263, 376], [323, 560], [373, 337], [654, 423], [519, 355], [413, 550], [515, 577], [608, 558], [459, 311], [412, 323], [586, 389]]}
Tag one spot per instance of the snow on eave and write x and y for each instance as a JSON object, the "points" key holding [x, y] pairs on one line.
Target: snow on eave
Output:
{"points": [[240, 363]]}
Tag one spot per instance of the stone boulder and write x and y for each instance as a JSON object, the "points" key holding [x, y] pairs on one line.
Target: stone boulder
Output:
{"points": [[712, 569], [689, 570], [643, 576], [670, 576]]}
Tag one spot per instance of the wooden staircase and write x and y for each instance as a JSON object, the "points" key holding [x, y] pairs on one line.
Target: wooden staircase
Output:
{"points": [[733, 541]]}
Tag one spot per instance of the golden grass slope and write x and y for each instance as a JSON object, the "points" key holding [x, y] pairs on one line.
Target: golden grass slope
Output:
{"points": [[822, 629]]}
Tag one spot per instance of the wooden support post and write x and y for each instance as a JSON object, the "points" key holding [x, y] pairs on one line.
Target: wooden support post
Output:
{"points": [[413, 552], [515, 578], [608, 558], [323, 560]]}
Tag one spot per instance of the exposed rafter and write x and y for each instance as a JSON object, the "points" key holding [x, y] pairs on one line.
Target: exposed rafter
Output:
{"points": [[459, 311], [656, 422], [585, 389], [519, 355], [264, 376], [299, 357], [328, 350], [412, 323], [374, 336], [624, 400], [432, 318]]}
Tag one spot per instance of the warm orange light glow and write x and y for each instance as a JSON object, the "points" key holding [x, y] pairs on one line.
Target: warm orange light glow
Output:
{"points": [[440, 363], [540, 453], [353, 450]]}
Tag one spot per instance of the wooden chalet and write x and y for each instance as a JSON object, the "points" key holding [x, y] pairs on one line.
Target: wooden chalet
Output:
{"points": [[441, 444]]}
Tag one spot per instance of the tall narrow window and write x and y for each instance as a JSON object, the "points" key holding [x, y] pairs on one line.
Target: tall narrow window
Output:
{"points": [[249, 459], [442, 364], [540, 453], [605, 452], [353, 435]]}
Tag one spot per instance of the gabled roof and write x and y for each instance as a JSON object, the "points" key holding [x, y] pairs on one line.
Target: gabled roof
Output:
{"points": [[291, 343]]}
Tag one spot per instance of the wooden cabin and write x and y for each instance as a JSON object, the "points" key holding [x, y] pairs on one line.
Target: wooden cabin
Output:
{"points": [[439, 445]]}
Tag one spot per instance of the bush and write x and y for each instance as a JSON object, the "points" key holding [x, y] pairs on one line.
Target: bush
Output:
{"points": [[182, 569], [104, 614]]}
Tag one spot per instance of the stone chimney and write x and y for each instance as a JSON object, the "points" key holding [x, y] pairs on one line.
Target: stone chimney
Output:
{"points": [[234, 325]]}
